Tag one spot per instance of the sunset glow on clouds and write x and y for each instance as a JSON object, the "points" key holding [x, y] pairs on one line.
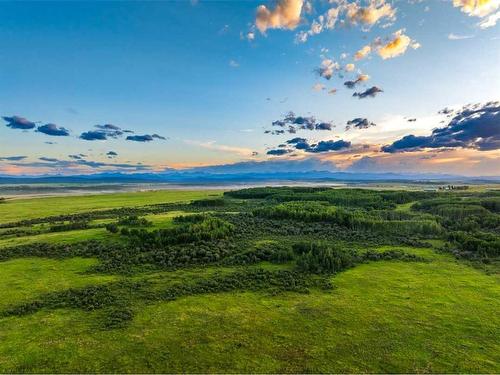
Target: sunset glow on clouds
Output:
{"points": [[251, 81]]}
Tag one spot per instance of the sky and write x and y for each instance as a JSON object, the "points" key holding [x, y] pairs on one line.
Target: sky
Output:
{"points": [[408, 86]]}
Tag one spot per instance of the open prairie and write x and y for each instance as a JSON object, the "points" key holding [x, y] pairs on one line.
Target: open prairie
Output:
{"points": [[255, 280]]}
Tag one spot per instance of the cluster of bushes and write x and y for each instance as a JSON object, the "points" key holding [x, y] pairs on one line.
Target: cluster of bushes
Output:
{"points": [[316, 257], [72, 225], [474, 245], [367, 199], [270, 251], [114, 299], [89, 298], [134, 220], [355, 220], [269, 192], [207, 229], [324, 258], [218, 202]]}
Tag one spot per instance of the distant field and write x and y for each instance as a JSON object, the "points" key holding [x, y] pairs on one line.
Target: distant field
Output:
{"points": [[20, 209], [431, 313]]}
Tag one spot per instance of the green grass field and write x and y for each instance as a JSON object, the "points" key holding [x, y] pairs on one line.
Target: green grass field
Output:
{"points": [[21, 209], [440, 315]]}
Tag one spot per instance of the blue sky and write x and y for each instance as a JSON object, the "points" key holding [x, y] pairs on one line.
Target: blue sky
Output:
{"points": [[187, 71]]}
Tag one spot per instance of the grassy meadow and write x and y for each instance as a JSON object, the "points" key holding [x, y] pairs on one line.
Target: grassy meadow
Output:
{"points": [[167, 305]]}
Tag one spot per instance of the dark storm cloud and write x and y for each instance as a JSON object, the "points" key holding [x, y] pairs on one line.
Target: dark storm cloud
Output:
{"points": [[359, 123], [53, 130], [16, 122], [371, 92], [473, 126], [13, 158]]}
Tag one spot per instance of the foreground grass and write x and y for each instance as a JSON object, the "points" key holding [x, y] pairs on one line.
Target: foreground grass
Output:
{"points": [[24, 279], [438, 316], [21, 209]]}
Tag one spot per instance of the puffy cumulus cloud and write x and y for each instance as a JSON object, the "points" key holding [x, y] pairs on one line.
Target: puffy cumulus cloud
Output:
{"points": [[490, 21], [359, 123], [362, 53], [396, 46], [17, 122], [473, 126], [349, 67], [366, 14], [53, 130], [12, 158], [369, 93], [292, 123], [323, 22], [370, 14], [286, 15], [359, 79], [487, 10], [327, 68], [477, 8]]}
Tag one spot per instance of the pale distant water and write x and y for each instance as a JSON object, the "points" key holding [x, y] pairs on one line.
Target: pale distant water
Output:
{"points": [[48, 189]]}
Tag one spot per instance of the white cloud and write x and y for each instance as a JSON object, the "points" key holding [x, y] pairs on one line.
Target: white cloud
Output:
{"points": [[490, 21], [212, 145], [453, 36]]}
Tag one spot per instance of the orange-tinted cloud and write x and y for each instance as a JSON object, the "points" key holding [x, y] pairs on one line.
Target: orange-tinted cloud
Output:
{"points": [[396, 46], [286, 15]]}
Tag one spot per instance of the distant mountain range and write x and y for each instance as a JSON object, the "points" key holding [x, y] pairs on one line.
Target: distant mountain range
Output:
{"points": [[252, 171]]}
